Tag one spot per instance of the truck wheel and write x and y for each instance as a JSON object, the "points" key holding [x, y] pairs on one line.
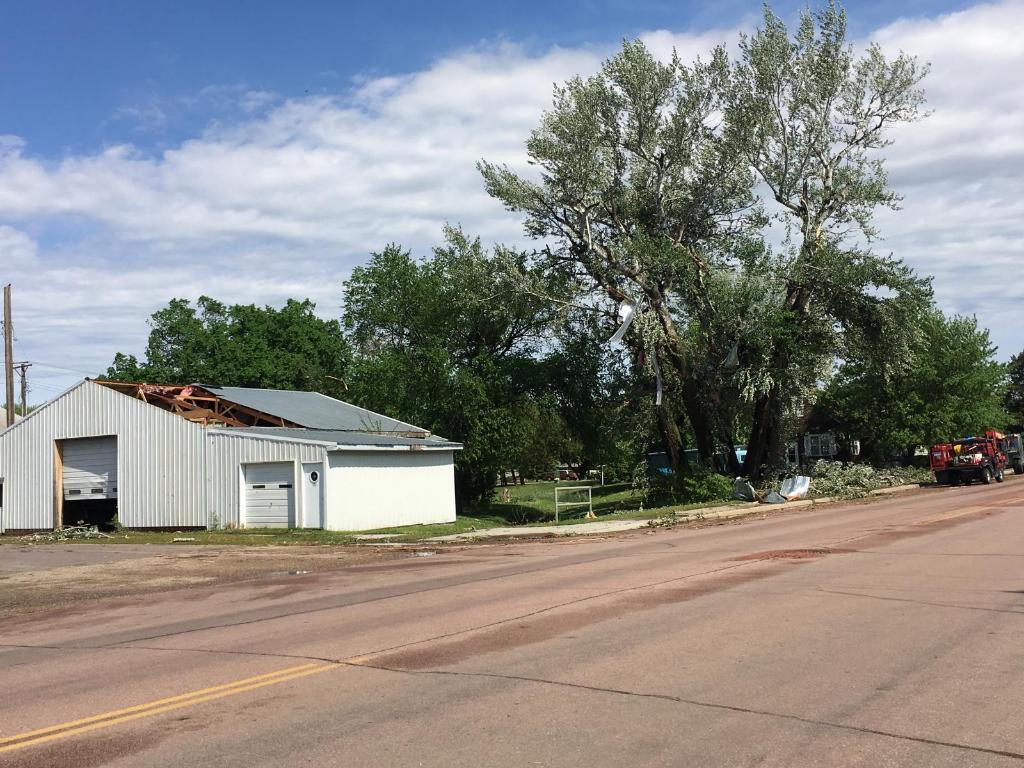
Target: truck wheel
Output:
{"points": [[1018, 467], [954, 478], [986, 476], [1000, 476]]}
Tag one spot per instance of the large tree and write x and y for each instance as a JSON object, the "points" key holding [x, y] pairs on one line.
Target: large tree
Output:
{"points": [[637, 194], [811, 117], [953, 386], [645, 196], [240, 345]]}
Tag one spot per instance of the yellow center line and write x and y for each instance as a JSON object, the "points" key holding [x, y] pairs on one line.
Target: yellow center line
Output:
{"points": [[159, 706]]}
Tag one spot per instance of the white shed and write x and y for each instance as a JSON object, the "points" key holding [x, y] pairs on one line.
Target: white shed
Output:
{"points": [[201, 456]]}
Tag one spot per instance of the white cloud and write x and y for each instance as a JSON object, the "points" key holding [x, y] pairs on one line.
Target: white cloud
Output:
{"points": [[17, 249], [282, 197], [961, 170]]}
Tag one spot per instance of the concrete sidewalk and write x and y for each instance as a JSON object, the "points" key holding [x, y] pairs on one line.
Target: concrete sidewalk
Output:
{"points": [[721, 512]]}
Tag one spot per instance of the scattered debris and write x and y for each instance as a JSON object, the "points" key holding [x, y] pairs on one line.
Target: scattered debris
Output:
{"points": [[773, 498], [182, 539], [795, 487], [68, 534], [741, 489]]}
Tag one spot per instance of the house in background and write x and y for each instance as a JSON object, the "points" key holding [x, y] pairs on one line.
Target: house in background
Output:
{"points": [[821, 436], [202, 456]]}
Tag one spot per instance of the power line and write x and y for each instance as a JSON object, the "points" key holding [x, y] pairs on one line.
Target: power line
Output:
{"points": [[63, 368]]}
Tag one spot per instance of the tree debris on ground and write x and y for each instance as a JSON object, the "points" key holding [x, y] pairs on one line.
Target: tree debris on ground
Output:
{"points": [[68, 534]]}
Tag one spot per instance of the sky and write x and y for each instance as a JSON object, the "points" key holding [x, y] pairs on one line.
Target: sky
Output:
{"points": [[258, 151]]}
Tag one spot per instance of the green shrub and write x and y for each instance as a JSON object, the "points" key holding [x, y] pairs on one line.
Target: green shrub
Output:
{"points": [[705, 486], [690, 488]]}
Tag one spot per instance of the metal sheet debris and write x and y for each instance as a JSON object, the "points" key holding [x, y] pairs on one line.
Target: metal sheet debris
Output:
{"points": [[627, 313], [741, 489], [795, 487]]}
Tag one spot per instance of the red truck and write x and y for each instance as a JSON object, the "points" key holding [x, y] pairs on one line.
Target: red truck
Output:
{"points": [[973, 458]]}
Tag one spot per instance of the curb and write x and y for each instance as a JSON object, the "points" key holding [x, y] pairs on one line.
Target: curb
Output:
{"points": [[721, 512], [731, 512]]}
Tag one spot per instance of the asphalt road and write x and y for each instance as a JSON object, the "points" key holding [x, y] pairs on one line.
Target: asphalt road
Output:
{"points": [[876, 634]]}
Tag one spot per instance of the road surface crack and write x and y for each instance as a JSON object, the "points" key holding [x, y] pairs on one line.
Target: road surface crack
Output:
{"points": [[920, 602], [703, 704]]}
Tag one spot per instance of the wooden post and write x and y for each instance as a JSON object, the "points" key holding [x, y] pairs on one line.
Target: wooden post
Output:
{"points": [[58, 486], [8, 355], [23, 372]]}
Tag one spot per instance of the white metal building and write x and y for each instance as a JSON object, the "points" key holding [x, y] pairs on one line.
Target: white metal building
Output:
{"points": [[203, 456]]}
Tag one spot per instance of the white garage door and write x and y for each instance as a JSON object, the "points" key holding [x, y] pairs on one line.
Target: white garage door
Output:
{"points": [[90, 468], [270, 495]]}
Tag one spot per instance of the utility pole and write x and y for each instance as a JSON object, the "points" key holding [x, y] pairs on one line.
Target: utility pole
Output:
{"points": [[22, 369], [9, 354]]}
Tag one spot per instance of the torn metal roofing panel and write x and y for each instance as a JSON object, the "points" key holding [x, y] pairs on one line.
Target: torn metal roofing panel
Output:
{"points": [[313, 410], [344, 438]]}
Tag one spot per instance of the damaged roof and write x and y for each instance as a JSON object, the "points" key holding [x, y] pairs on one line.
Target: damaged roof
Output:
{"points": [[312, 410], [240, 407], [346, 438]]}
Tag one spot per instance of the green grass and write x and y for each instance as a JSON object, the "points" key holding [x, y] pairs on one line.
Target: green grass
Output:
{"points": [[535, 502], [251, 537], [532, 504]]}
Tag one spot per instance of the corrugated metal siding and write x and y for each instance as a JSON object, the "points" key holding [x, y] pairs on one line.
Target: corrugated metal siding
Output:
{"points": [[226, 453], [160, 459]]}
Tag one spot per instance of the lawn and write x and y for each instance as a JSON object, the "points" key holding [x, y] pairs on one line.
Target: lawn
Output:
{"points": [[535, 502], [531, 504]]}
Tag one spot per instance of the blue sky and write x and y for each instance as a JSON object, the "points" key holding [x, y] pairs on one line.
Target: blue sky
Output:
{"points": [[285, 141], [69, 67]]}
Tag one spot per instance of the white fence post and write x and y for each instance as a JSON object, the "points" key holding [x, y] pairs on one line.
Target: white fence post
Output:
{"points": [[589, 503]]}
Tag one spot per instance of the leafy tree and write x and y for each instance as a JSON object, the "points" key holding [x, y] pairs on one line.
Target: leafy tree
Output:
{"points": [[953, 386], [810, 118], [240, 345], [1014, 401], [646, 196], [636, 188], [442, 343]]}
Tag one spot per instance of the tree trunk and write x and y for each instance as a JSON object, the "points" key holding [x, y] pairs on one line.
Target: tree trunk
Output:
{"points": [[671, 440], [701, 420], [731, 462], [766, 444], [764, 448]]}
